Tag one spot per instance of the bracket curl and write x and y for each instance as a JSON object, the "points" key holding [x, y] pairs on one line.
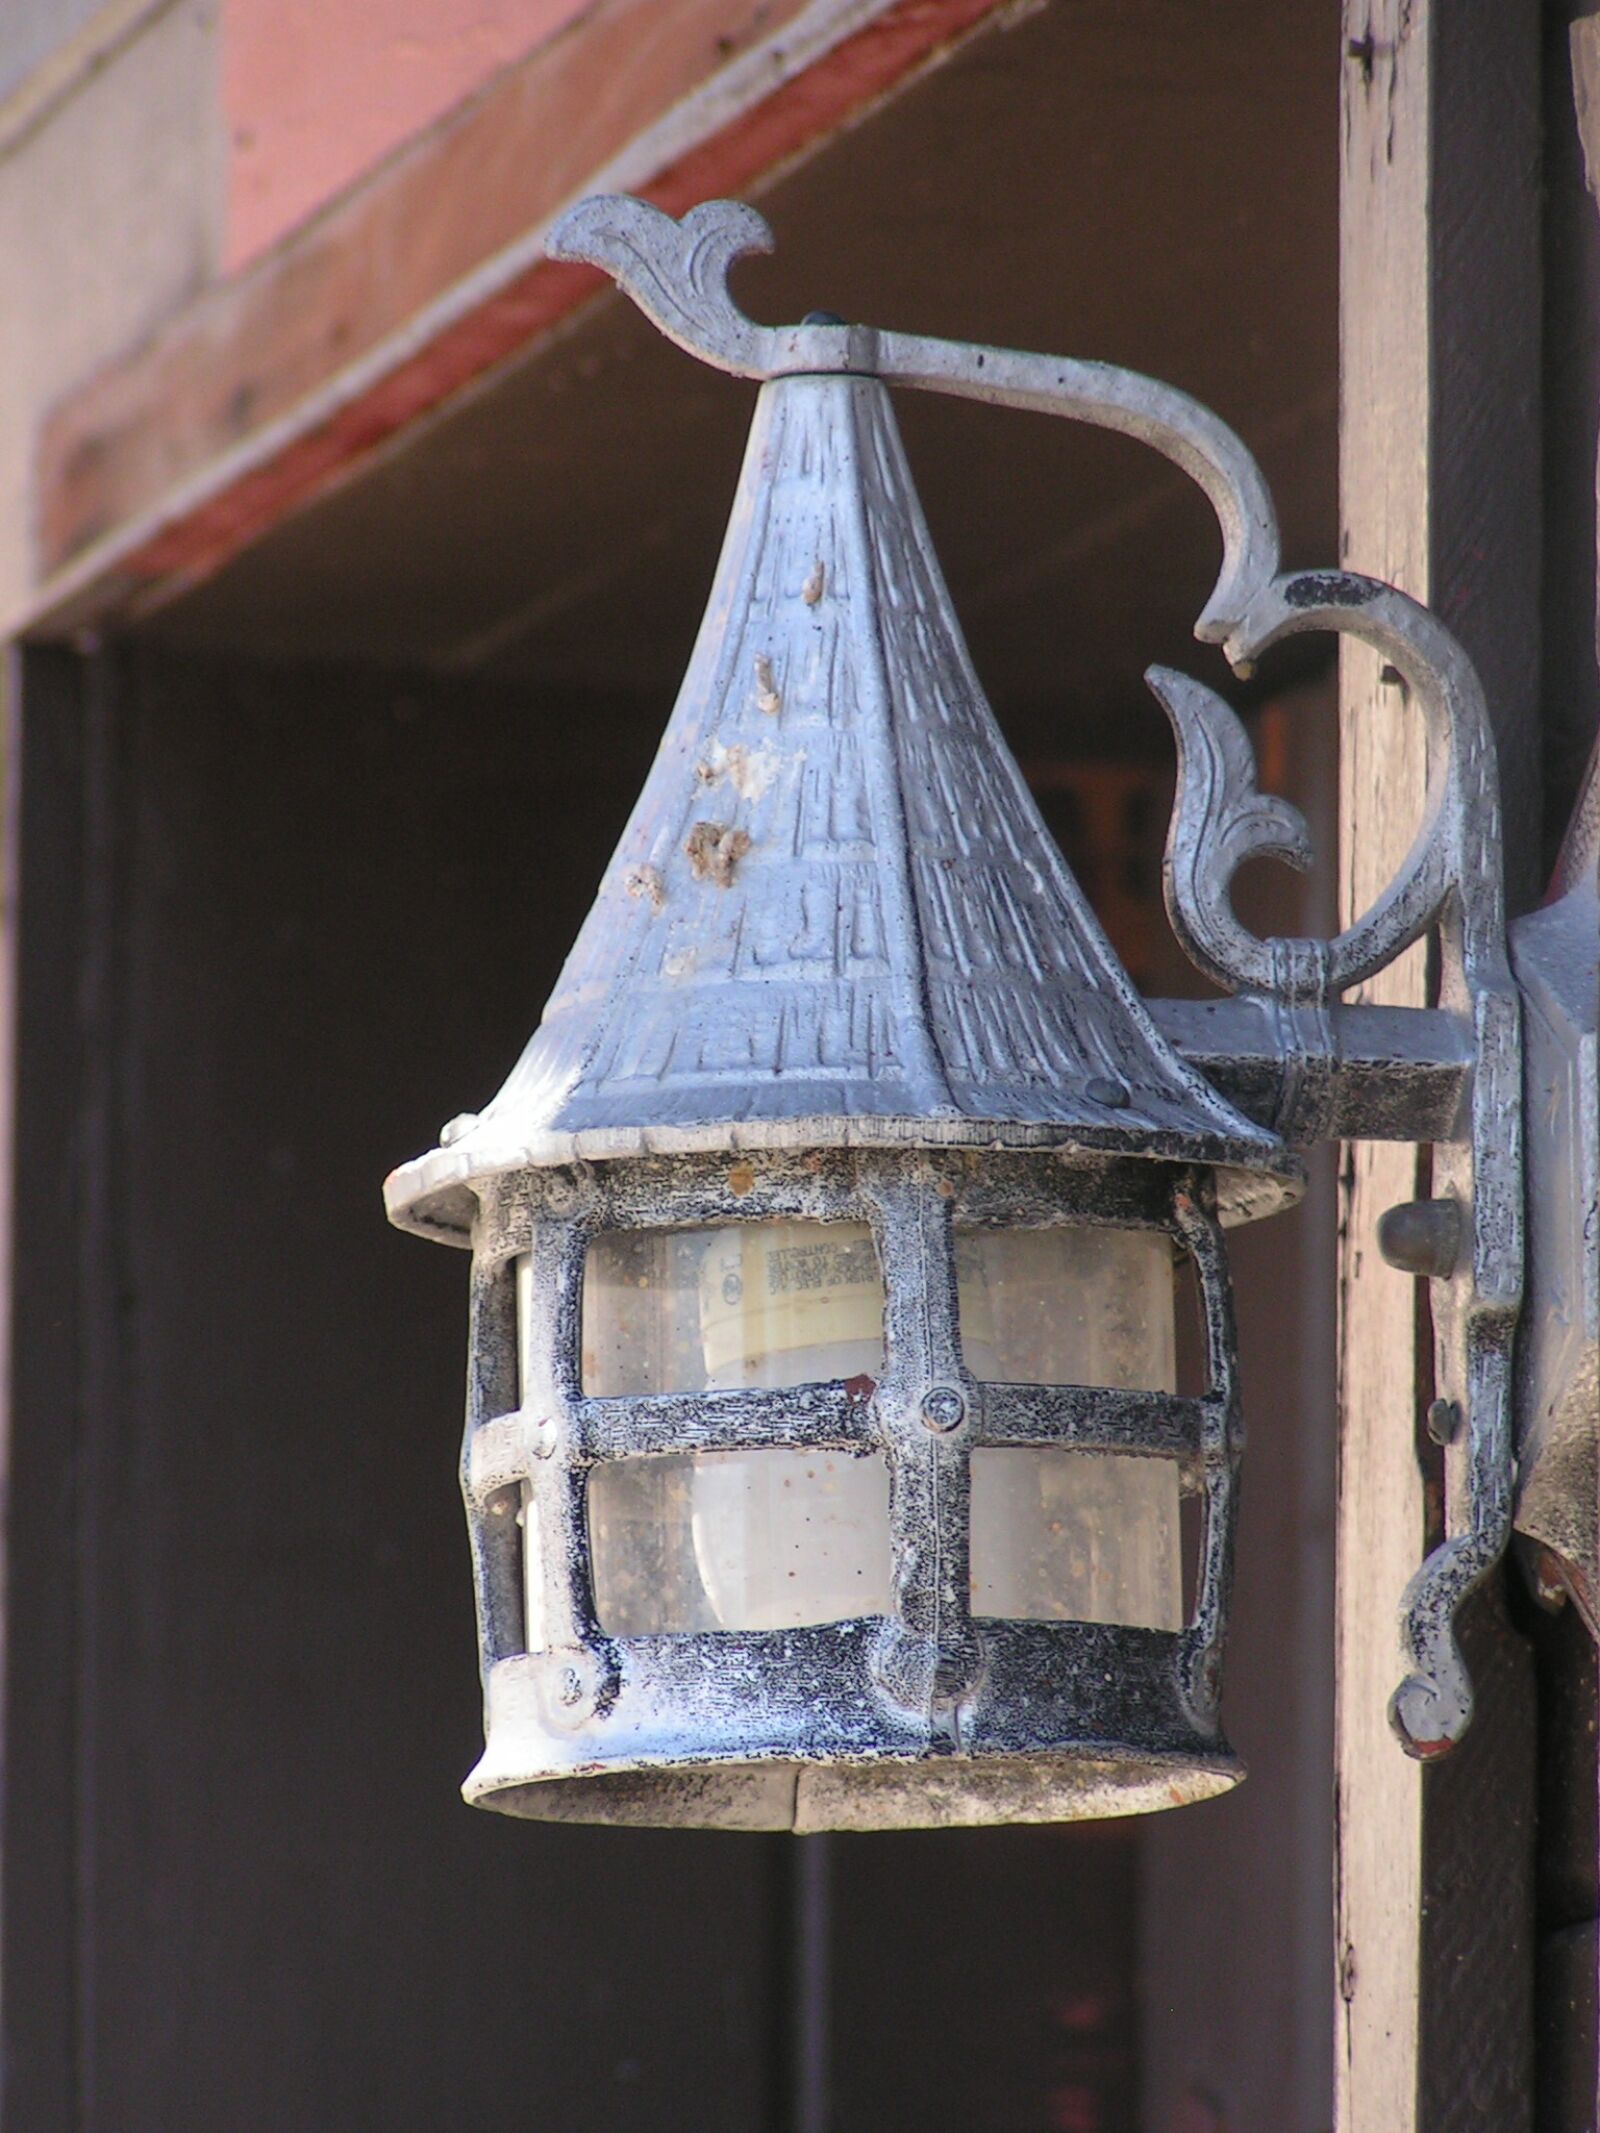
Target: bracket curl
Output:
{"points": [[1451, 877], [676, 272]]}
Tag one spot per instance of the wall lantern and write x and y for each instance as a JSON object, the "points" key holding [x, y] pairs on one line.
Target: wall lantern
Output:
{"points": [[824, 1464]]}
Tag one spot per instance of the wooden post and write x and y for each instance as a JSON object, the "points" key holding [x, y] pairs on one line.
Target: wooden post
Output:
{"points": [[1440, 494]]}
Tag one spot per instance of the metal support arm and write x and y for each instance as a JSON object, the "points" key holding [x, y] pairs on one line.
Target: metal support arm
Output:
{"points": [[1377, 1073]]}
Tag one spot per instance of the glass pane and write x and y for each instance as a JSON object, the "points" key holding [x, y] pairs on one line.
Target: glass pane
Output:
{"points": [[738, 1540], [1077, 1306], [534, 1636], [748, 1304], [1064, 1535]]}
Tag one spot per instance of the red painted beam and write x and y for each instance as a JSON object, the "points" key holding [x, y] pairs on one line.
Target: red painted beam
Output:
{"points": [[272, 387]]}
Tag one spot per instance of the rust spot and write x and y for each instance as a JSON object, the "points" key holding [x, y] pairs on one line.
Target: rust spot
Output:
{"points": [[645, 881], [1431, 1751], [812, 590], [741, 1179], [714, 850], [748, 774], [768, 696], [860, 1389]]}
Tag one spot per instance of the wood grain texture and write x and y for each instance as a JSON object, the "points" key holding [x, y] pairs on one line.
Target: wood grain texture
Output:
{"points": [[1382, 1525], [1440, 493]]}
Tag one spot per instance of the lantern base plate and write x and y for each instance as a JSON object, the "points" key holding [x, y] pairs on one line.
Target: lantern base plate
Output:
{"points": [[924, 1792]]}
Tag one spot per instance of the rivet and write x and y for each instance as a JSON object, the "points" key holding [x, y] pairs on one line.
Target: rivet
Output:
{"points": [[822, 318], [1443, 1421], [569, 1685], [542, 1438], [1422, 1237], [457, 1128], [1111, 1094], [944, 1408]]}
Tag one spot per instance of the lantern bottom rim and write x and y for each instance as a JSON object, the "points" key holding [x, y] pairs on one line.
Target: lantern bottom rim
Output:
{"points": [[891, 1792]]}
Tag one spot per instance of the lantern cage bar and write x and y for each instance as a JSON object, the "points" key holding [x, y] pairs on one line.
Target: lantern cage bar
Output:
{"points": [[927, 1713]]}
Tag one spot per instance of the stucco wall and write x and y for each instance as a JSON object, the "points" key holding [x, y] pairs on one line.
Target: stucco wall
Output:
{"points": [[317, 94], [109, 218]]}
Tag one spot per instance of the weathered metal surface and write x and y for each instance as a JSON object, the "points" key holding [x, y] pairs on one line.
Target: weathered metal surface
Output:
{"points": [[1389, 1073], [925, 1715], [1556, 952], [836, 923], [1450, 880], [836, 916], [677, 273]]}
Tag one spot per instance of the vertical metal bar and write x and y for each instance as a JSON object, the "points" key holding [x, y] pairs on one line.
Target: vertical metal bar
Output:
{"points": [[497, 1546], [923, 1400], [1220, 1446]]}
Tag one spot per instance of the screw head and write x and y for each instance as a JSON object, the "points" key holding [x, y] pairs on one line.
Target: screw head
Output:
{"points": [[1423, 1237], [1443, 1421], [944, 1408], [569, 1685], [1109, 1094]]}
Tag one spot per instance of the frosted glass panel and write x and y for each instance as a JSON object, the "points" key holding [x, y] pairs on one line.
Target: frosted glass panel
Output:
{"points": [[738, 1540], [1078, 1306], [749, 1304], [1060, 1534]]}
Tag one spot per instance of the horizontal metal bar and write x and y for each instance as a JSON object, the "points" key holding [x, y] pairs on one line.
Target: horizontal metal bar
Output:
{"points": [[1159, 1425], [792, 1417], [1393, 1073]]}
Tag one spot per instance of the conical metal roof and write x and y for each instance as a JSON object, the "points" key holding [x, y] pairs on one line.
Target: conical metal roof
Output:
{"points": [[836, 916]]}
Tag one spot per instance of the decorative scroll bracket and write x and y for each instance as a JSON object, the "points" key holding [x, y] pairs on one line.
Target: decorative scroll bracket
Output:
{"points": [[1449, 881]]}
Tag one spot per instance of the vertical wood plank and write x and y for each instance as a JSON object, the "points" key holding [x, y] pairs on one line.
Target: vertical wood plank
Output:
{"points": [[1568, 1970], [1383, 481], [1440, 492]]}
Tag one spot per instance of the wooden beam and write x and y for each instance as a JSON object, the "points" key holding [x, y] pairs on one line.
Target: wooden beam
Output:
{"points": [[273, 384], [1440, 488]]}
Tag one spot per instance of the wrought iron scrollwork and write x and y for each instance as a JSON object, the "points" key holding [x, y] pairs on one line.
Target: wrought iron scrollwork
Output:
{"points": [[1449, 880]]}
